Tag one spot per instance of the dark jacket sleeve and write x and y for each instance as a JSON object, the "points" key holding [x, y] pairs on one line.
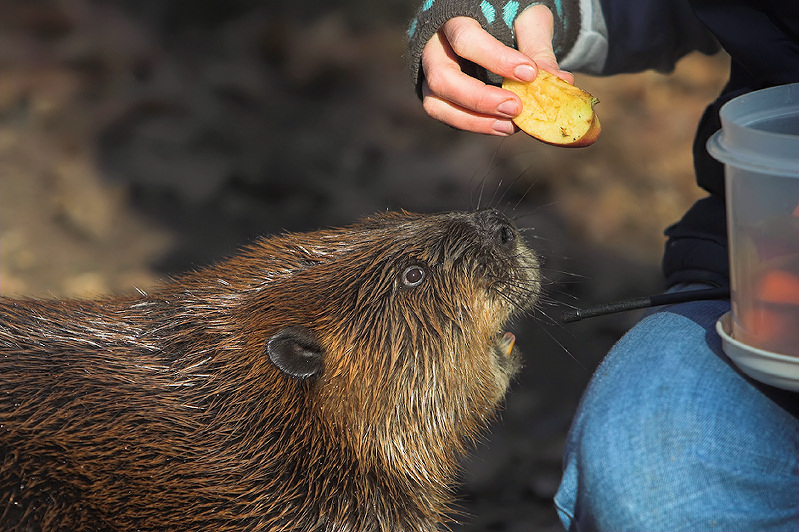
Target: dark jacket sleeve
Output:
{"points": [[652, 34], [762, 39]]}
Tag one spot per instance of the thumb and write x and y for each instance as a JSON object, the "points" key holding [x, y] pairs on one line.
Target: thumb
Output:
{"points": [[534, 28]]}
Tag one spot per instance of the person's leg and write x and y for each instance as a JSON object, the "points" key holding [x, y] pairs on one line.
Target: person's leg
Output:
{"points": [[669, 436]]}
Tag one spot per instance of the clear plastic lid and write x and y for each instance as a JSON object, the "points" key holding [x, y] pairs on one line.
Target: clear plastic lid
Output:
{"points": [[760, 132]]}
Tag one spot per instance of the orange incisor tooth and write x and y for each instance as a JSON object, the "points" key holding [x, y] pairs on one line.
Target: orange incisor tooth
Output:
{"points": [[506, 343]]}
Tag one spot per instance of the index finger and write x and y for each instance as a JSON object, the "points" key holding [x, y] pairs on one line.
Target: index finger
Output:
{"points": [[470, 41], [446, 81]]}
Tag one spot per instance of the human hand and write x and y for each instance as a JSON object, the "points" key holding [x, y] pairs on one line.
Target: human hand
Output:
{"points": [[461, 101]]}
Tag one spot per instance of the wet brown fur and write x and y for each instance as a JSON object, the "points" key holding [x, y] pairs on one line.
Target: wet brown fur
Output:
{"points": [[163, 411]]}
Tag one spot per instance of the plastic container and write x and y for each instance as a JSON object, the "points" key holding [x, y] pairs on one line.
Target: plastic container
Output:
{"points": [[759, 146], [780, 371]]}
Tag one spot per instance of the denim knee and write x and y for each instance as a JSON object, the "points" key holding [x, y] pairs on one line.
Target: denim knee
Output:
{"points": [[669, 436]]}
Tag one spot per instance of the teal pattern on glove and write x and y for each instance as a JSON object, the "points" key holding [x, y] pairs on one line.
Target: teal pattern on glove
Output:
{"points": [[509, 13], [488, 11]]}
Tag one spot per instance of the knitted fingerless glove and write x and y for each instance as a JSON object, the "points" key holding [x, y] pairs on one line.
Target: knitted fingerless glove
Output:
{"points": [[496, 17]]}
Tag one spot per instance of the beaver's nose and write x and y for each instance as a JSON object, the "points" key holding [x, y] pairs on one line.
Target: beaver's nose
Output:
{"points": [[495, 228]]}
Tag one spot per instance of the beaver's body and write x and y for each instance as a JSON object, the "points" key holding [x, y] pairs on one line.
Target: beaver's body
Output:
{"points": [[321, 381]]}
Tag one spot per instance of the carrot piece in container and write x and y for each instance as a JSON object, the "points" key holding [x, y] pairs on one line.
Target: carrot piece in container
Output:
{"points": [[764, 327], [778, 286]]}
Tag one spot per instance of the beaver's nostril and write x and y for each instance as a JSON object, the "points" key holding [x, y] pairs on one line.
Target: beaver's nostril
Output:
{"points": [[496, 228], [505, 235]]}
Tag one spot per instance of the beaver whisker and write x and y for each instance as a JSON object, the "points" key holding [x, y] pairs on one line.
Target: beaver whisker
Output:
{"points": [[523, 196], [518, 307], [576, 276]]}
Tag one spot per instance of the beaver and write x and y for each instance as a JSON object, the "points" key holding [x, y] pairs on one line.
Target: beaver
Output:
{"points": [[315, 381]]}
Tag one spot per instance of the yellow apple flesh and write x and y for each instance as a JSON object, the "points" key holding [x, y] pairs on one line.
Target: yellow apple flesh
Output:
{"points": [[555, 111]]}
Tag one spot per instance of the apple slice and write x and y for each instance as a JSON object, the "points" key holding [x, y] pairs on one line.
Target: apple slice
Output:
{"points": [[555, 111]]}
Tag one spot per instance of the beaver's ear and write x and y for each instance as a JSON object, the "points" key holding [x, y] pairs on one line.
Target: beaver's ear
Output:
{"points": [[296, 352]]}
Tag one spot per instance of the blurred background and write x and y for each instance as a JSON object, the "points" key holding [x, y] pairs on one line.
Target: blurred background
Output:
{"points": [[142, 138]]}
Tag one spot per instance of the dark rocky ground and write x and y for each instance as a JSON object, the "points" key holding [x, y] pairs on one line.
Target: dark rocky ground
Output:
{"points": [[139, 139]]}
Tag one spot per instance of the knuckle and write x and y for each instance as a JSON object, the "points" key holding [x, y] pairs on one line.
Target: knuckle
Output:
{"points": [[458, 37], [436, 80], [459, 31], [482, 102]]}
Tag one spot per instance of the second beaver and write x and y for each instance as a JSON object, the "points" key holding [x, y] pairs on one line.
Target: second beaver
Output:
{"points": [[320, 381]]}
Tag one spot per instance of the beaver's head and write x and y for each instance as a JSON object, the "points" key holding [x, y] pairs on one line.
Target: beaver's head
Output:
{"points": [[394, 326]]}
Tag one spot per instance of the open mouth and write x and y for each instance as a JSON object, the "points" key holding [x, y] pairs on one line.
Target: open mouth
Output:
{"points": [[505, 343], [506, 355]]}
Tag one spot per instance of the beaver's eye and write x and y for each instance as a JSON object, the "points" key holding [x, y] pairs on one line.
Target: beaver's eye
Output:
{"points": [[413, 276]]}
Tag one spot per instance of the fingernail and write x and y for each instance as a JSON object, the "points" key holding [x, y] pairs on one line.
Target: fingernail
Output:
{"points": [[509, 108], [504, 127], [524, 72]]}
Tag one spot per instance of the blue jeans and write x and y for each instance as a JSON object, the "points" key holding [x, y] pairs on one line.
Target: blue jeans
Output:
{"points": [[670, 436]]}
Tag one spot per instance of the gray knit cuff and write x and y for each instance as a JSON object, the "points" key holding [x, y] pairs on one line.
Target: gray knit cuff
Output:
{"points": [[496, 17]]}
